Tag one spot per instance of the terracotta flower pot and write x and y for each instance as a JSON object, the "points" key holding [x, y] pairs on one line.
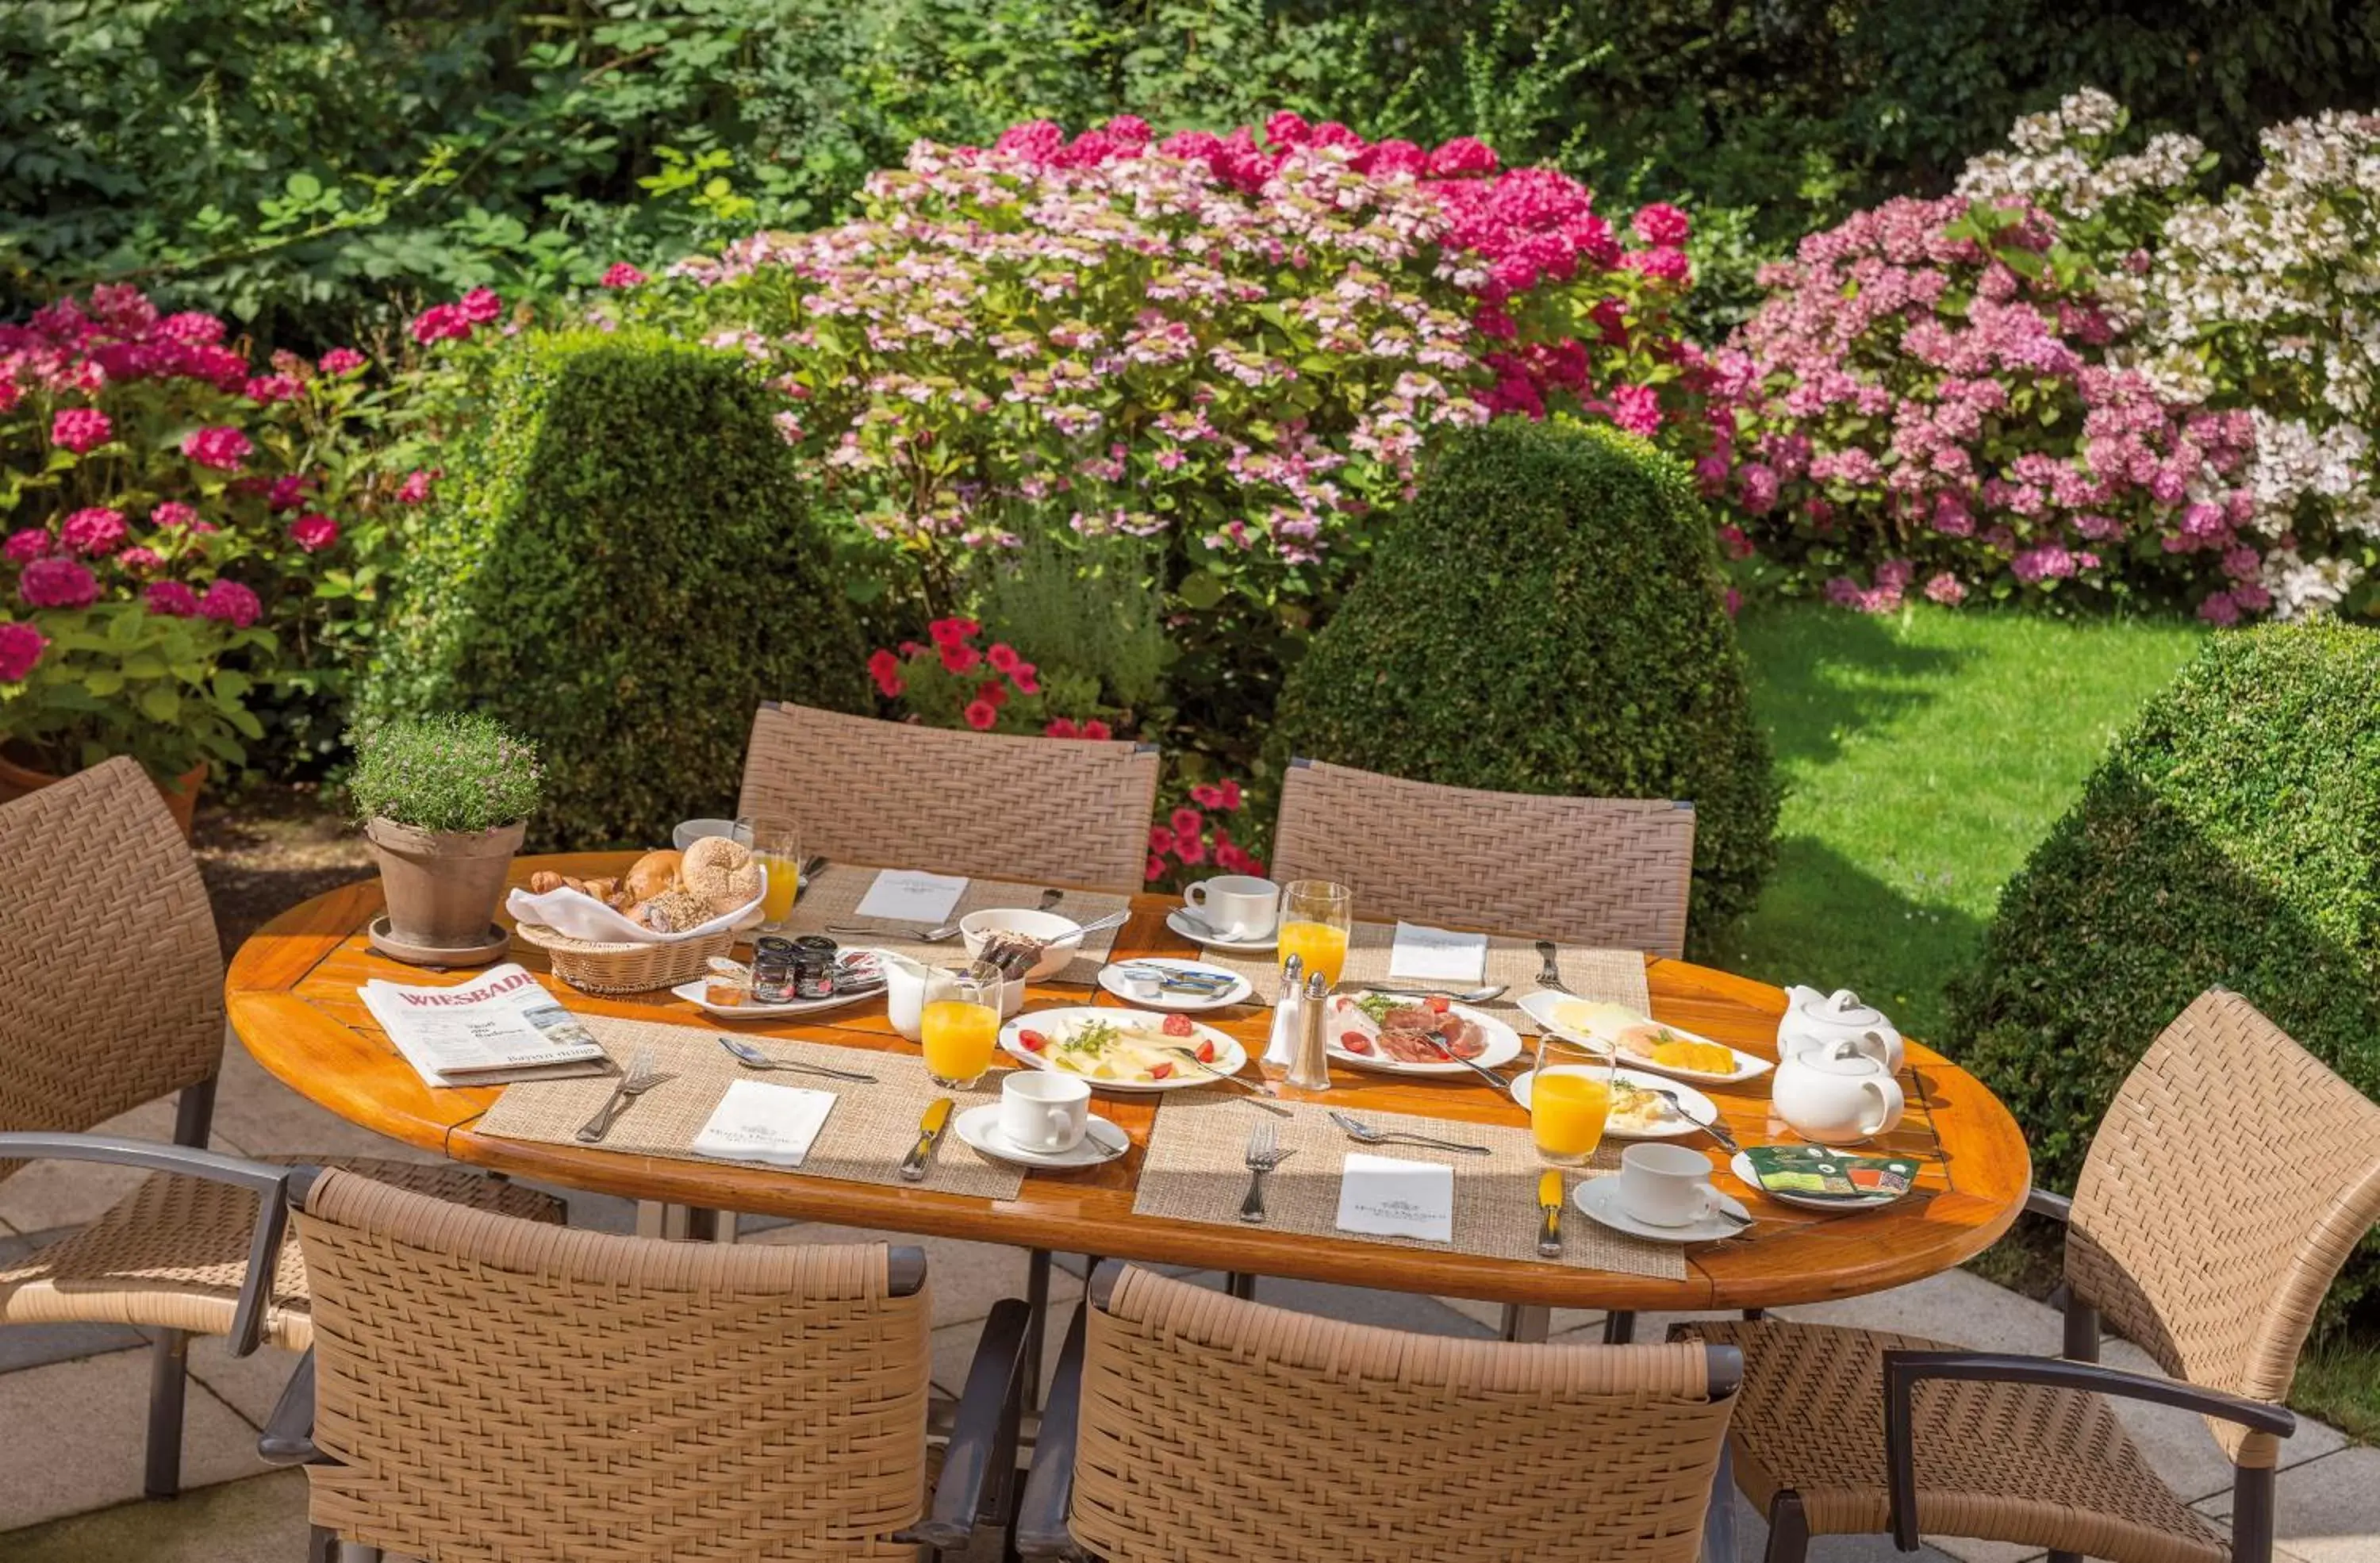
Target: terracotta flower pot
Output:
{"points": [[443, 886], [181, 794]]}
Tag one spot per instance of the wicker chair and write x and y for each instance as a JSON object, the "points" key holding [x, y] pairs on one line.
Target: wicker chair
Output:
{"points": [[985, 805], [111, 995], [1603, 871], [1191, 1427], [2228, 1181], [489, 1390]]}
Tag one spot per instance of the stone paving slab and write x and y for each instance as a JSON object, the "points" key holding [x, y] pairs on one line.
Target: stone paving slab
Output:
{"points": [[75, 1432]]}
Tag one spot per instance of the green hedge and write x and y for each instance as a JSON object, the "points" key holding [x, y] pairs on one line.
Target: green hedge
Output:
{"points": [[2232, 837], [619, 564], [1547, 617]]}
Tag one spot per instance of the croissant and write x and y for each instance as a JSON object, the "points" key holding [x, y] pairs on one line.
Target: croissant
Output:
{"points": [[544, 881]]}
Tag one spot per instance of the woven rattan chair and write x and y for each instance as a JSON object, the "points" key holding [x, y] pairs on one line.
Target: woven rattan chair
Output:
{"points": [[1191, 1427], [980, 804], [1603, 871], [111, 995], [2228, 1181], [489, 1390]]}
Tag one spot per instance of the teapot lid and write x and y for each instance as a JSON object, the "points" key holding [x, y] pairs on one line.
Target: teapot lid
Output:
{"points": [[1842, 1007], [1843, 1055]]}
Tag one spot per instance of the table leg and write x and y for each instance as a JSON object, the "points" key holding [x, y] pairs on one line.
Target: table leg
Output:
{"points": [[1037, 1298], [1526, 1322], [683, 1223], [1240, 1285]]}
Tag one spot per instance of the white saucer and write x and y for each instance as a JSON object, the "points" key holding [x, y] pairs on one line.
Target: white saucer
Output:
{"points": [[1599, 1197], [1179, 921], [1741, 1167], [979, 1127], [1113, 980]]}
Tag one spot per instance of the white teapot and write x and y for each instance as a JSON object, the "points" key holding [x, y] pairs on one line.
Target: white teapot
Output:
{"points": [[1812, 1019], [1838, 1093]]}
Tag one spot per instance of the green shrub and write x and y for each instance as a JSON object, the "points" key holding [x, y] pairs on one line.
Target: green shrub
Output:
{"points": [[618, 565], [1547, 618], [2232, 837], [460, 772]]}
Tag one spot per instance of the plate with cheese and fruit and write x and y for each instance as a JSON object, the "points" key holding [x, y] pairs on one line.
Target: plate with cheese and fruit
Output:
{"points": [[1640, 1041], [1123, 1049], [1400, 1034]]}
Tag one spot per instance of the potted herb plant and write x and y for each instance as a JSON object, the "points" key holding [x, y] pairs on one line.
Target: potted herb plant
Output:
{"points": [[444, 801]]}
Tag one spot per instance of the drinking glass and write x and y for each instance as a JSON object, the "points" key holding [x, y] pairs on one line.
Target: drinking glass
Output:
{"points": [[1569, 1098], [959, 1026], [779, 850], [1314, 918]]}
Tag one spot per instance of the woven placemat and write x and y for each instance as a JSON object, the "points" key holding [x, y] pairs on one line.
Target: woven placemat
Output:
{"points": [[1614, 974], [871, 1128], [1195, 1169], [834, 897]]}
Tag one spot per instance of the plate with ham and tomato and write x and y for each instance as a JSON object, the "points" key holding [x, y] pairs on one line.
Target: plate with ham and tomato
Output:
{"points": [[1398, 1033], [1123, 1049]]}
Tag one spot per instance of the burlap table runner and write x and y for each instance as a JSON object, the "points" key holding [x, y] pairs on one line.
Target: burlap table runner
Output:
{"points": [[871, 1128], [1195, 1169], [1614, 974], [834, 897]]}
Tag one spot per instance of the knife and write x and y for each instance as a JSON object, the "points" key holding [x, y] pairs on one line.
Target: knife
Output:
{"points": [[929, 1134], [1549, 1200]]}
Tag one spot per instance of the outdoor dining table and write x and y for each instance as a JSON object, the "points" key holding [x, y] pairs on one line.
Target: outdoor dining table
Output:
{"points": [[294, 1003]]}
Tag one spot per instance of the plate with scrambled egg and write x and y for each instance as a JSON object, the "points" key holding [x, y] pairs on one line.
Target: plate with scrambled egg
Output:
{"points": [[1640, 1040], [1123, 1049]]}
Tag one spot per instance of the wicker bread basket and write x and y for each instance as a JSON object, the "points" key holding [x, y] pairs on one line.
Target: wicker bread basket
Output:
{"points": [[625, 968]]}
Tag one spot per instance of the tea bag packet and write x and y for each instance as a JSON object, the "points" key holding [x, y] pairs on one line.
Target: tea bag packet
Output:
{"points": [[1817, 1173]]}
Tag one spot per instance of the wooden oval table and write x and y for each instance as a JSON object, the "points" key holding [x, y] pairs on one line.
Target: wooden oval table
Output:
{"points": [[294, 1003]]}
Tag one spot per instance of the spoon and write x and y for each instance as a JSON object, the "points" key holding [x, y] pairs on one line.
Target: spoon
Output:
{"points": [[1423, 990], [1715, 1129], [752, 1058], [1364, 1134]]}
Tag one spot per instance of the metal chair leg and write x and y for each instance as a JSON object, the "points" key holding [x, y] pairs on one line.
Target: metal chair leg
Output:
{"points": [[1719, 1516], [2252, 1515], [169, 1384], [1789, 1530], [1618, 1328], [1240, 1285], [322, 1545]]}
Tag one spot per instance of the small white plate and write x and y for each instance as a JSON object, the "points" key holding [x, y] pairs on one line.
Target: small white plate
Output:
{"points": [[1540, 1007], [1742, 1168], [1502, 1045], [1230, 1057], [692, 992], [1114, 981], [1673, 1128], [1179, 921], [979, 1127], [1599, 1197]]}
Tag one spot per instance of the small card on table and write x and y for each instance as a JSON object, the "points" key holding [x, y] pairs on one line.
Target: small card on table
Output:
{"points": [[757, 1121], [1386, 1197], [1427, 954], [912, 895]]}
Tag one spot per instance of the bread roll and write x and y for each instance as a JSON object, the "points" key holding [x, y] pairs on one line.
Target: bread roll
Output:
{"points": [[653, 872], [673, 911], [721, 873]]}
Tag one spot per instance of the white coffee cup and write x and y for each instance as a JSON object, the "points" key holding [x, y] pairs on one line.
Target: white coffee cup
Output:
{"points": [[1041, 1111], [1236, 905], [1665, 1185]]}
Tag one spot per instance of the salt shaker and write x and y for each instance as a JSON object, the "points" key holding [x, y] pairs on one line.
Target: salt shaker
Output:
{"points": [[1310, 1066], [1281, 1048]]}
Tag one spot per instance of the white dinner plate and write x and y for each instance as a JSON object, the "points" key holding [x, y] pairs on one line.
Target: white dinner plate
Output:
{"points": [[1056, 1025], [1742, 1168], [979, 1127], [1540, 1005], [1179, 921], [1502, 1045], [1112, 978], [692, 992], [1599, 1197], [1672, 1127]]}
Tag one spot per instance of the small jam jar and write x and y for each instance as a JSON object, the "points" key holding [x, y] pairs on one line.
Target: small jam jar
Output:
{"points": [[814, 966], [774, 962]]}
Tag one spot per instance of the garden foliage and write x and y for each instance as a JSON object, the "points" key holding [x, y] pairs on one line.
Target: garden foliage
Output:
{"points": [[1547, 618], [458, 772], [619, 564], [2227, 839]]}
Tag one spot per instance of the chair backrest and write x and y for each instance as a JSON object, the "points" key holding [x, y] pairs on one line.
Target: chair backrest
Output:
{"points": [[990, 805], [2227, 1184], [1604, 871], [110, 977], [1215, 1428], [506, 1389]]}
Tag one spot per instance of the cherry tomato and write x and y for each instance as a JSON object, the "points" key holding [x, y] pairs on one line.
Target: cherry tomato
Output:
{"points": [[1034, 1041], [1437, 1003], [1162, 1071], [1358, 1043], [1178, 1025], [1205, 1053]]}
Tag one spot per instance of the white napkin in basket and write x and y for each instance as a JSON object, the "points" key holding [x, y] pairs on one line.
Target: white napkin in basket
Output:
{"points": [[576, 915]]}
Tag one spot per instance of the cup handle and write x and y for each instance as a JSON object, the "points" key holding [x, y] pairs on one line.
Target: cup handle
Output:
{"points": [[1194, 896]]}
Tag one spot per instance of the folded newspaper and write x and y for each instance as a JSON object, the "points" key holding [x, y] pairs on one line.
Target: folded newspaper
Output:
{"points": [[500, 1026]]}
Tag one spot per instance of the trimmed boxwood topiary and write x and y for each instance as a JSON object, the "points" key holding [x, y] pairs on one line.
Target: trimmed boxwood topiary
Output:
{"points": [[619, 564], [1547, 617], [2231, 837]]}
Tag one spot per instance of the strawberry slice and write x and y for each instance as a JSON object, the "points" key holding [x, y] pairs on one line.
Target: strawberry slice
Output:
{"points": [[1438, 1004], [1178, 1025], [1206, 1051], [1034, 1041], [1162, 1071]]}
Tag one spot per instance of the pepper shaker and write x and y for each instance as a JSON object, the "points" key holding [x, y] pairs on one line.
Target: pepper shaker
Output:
{"points": [[1310, 1069]]}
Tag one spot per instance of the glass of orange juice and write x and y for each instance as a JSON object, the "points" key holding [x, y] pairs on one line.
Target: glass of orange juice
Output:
{"points": [[959, 1026], [1314, 918], [779, 852], [1569, 1098]]}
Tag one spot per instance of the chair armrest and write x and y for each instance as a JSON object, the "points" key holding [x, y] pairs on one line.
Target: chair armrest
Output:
{"points": [[981, 1456], [269, 1183], [1903, 1370], [289, 1435], [2057, 1206], [1049, 1487]]}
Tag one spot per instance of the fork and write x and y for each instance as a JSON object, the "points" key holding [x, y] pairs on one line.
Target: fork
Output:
{"points": [[1049, 899], [1550, 974], [752, 1058], [930, 935], [1259, 1093], [1474, 1065], [1359, 1131], [644, 1074], [1264, 1155]]}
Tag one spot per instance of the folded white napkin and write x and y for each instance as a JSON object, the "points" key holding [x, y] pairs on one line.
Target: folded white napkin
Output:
{"points": [[1388, 1197], [1427, 954], [912, 895], [756, 1121], [579, 915]]}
